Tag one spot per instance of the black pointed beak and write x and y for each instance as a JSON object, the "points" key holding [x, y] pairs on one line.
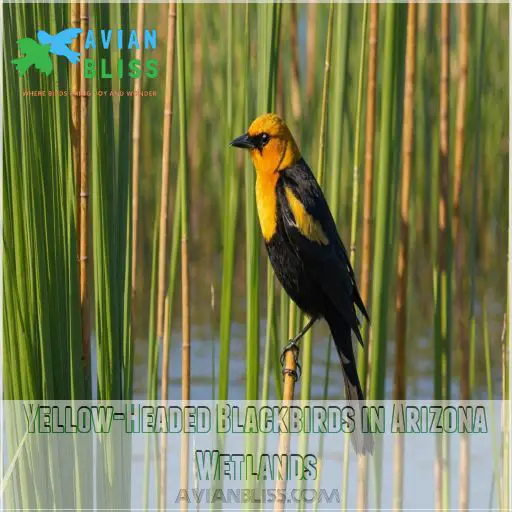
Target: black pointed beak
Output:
{"points": [[244, 141]]}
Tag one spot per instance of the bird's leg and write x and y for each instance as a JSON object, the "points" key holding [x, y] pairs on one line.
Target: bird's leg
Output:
{"points": [[293, 345]]}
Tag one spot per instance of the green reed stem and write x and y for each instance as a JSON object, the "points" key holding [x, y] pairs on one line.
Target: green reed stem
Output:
{"points": [[381, 252], [339, 86], [355, 199], [229, 220], [383, 211], [481, 12], [355, 176]]}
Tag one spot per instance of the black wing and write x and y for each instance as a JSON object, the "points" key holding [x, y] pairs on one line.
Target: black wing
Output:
{"points": [[328, 263]]}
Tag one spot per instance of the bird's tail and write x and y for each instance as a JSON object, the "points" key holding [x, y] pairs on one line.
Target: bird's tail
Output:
{"points": [[363, 442]]}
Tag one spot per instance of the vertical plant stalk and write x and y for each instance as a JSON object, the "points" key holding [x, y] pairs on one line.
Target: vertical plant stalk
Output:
{"points": [[185, 299], [355, 204], [166, 161], [320, 170], [275, 81], [477, 74], [407, 155], [164, 206], [289, 379], [400, 386], [280, 97], [197, 88], [162, 474], [381, 252], [384, 211], [339, 87], [339, 97], [355, 175], [152, 366], [442, 345], [75, 113], [295, 66], [284, 437], [325, 97], [84, 193], [497, 476], [307, 362], [137, 101], [458, 245], [373, 26], [460, 120], [505, 414], [252, 241], [164, 396], [444, 172], [311, 51], [230, 189], [368, 178]]}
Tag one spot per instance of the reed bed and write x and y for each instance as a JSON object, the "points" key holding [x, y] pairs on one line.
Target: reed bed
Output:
{"points": [[101, 209]]}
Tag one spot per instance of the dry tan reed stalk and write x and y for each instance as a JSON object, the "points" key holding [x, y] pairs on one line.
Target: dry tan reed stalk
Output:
{"points": [[288, 395], [291, 356], [399, 390], [164, 207], [362, 488], [284, 436], [84, 192], [137, 101], [443, 215], [295, 74], [75, 115], [458, 244], [166, 160], [400, 387]]}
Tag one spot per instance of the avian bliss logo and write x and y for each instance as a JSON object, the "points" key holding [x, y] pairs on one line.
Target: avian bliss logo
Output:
{"points": [[37, 53]]}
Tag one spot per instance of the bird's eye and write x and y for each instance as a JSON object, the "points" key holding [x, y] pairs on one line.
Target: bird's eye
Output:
{"points": [[264, 139]]}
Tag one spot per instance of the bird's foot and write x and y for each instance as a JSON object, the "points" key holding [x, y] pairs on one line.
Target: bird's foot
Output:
{"points": [[292, 345]]}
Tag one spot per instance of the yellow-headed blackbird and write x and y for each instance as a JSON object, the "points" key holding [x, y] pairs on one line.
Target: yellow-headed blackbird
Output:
{"points": [[303, 244]]}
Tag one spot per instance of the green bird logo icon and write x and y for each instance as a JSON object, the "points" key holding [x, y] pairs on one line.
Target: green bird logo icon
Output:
{"points": [[35, 54]]}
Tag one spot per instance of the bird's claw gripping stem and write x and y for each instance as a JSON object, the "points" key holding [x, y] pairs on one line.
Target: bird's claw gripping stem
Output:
{"points": [[292, 345]]}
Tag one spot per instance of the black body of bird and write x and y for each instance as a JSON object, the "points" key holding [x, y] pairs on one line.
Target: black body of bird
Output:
{"points": [[304, 247]]}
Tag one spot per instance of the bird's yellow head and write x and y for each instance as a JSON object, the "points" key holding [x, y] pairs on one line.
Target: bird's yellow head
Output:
{"points": [[271, 144]]}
